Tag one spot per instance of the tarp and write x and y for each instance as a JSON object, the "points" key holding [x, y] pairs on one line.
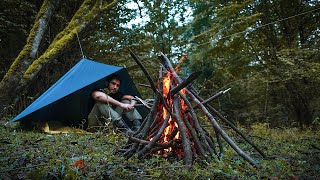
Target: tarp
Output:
{"points": [[68, 100]]}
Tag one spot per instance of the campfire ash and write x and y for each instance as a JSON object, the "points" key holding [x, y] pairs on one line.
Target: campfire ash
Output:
{"points": [[172, 126]]}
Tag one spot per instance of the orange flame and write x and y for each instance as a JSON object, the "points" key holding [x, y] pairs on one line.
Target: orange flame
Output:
{"points": [[171, 123], [183, 57], [166, 84], [183, 104]]}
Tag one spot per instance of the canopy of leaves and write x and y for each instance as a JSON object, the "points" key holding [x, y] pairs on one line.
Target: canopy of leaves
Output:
{"points": [[242, 44]]}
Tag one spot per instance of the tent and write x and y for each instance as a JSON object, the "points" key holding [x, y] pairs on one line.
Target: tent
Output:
{"points": [[68, 100]]}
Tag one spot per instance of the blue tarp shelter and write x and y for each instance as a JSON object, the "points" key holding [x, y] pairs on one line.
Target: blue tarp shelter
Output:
{"points": [[68, 100]]}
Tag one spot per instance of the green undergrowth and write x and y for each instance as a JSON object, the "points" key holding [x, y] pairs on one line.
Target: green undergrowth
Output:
{"points": [[292, 153]]}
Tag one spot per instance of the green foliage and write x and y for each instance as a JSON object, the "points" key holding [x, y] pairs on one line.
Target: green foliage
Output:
{"points": [[295, 82], [261, 64]]}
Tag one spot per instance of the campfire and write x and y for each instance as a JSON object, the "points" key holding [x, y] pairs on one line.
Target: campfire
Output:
{"points": [[172, 127]]}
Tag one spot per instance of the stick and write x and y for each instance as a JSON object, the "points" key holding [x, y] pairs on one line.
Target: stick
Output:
{"points": [[215, 96], [136, 59], [185, 83], [140, 141], [144, 85], [223, 134], [214, 111], [149, 121], [186, 144], [155, 139], [197, 124], [198, 145]]}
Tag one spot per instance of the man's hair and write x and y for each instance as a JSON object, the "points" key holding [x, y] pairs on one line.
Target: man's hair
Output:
{"points": [[112, 77]]}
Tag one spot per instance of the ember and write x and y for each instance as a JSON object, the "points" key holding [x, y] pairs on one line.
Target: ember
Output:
{"points": [[172, 125]]}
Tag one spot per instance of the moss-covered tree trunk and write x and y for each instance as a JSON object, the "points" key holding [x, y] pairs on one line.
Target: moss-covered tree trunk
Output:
{"points": [[26, 67], [8, 85]]}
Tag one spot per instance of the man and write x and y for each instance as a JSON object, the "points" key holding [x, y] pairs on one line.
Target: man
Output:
{"points": [[114, 104]]}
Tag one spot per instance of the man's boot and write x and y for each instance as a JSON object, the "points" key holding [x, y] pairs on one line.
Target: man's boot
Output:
{"points": [[121, 125], [136, 125]]}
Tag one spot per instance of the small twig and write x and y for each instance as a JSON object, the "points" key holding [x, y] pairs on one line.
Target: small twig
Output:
{"points": [[166, 167], [146, 104], [145, 142], [144, 85], [215, 96]]}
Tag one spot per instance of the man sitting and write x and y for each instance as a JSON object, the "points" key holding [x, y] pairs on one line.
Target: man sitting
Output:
{"points": [[114, 104]]}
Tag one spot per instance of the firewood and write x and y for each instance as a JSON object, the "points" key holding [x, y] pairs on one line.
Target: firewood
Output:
{"points": [[185, 83], [166, 63], [155, 139], [215, 112], [137, 60], [172, 126], [197, 125], [183, 131]]}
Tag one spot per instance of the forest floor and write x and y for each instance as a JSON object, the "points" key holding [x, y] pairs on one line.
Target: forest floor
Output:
{"points": [[292, 154]]}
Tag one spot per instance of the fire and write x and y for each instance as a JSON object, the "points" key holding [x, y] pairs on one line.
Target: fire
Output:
{"points": [[184, 57], [171, 123], [172, 126], [166, 84]]}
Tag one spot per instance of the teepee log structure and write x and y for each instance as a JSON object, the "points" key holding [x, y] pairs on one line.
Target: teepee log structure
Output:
{"points": [[172, 126]]}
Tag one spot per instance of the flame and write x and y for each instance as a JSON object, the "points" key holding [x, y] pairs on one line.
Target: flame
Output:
{"points": [[166, 84], [183, 104], [171, 123], [183, 57]]}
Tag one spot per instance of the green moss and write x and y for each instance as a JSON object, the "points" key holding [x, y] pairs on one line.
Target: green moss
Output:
{"points": [[85, 14], [25, 53], [75, 21], [66, 36], [52, 51], [37, 174]]}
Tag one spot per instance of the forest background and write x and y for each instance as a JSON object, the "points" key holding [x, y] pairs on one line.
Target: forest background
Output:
{"points": [[267, 52]]}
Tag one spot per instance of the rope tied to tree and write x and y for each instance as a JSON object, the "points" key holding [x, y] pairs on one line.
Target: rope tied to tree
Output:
{"points": [[83, 56]]}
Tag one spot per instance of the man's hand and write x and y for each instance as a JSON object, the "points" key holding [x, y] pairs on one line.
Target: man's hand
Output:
{"points": [[126, 107]]}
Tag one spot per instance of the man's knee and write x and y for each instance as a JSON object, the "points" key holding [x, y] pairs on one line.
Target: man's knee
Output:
{"points": [[125, 101], [107, 111]]}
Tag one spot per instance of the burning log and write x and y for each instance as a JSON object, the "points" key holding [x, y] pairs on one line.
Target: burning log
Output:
{"points": [[172, 126], [185, 83]]}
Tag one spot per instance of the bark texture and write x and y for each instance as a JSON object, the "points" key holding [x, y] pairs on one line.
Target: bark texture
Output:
{"points": [[8, 85]]}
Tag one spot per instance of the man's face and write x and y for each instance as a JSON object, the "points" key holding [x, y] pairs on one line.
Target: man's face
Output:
{"points": [[114, 85]]}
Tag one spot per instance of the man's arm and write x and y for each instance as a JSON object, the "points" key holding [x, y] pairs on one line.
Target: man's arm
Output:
{"points": [[103, 98]]}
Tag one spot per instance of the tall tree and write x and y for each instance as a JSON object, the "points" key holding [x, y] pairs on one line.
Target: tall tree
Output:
{"points": [[239, 44], [16, 19], [27, 65]]}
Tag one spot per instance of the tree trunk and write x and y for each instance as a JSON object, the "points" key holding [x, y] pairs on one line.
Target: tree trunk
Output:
{"points": [[8, 90], [24, 70]]}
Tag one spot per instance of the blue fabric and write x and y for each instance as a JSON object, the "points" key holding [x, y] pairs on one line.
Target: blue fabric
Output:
{"points": [[67, 100]]}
